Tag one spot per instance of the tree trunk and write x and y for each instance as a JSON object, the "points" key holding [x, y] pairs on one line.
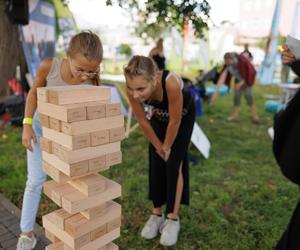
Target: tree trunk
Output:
{"points": [[11, 52]]}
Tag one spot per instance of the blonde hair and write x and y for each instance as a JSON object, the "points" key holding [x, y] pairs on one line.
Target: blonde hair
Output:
{"points": [[89, 45], [141, 66]]}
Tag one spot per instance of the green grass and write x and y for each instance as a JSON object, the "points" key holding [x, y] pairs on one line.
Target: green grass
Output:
{"points": [[239, 199]]}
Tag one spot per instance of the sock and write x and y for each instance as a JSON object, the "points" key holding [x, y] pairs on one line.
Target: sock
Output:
{"points": [[172, 219]]}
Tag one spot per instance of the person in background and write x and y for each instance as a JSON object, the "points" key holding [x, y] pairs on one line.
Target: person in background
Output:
{"points": [[243, 71], [246, 53], [81, 66], [286, 148], [157, 54]]}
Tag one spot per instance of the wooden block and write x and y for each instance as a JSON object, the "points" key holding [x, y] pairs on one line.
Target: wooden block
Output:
{"points": [[44, 119], [59, 217], [67, 113], [90, 184], [77, 94], [116, 134], [95, 111], [76, 201], [98, 232], [109, 246], [60, 151], [113, 158], [56, 191], [54, 124], [89, 126], [81, 243], [48, 187], [42, 94], [71, 142], [98, 164], [113, 109], [72, 170], [55, 246], [115, 223], [99, 137], [54, 173], [77, 225], [95, 212], [98, 244], [51, 237], [75, 243], [79, 155], [46, 145]]}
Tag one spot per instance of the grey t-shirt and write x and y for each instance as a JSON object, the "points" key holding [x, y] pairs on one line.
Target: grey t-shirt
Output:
{"points": [[235, 73]]}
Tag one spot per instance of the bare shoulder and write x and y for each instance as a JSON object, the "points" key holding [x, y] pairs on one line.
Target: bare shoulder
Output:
{"points": [[173, 82], [42, 73], [46, 64]]}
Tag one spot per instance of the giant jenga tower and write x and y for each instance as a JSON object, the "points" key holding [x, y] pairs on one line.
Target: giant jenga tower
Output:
{"points": [[82, 130]]}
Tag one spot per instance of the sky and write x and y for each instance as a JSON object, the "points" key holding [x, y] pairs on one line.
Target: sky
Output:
{"points": [[92, 13]]}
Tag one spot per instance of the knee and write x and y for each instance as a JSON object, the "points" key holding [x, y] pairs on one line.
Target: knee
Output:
{"points": [[35, 184]]}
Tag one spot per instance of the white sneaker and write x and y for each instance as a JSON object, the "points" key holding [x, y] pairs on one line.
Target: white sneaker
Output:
{"points": [[152, 226], [169, 232], [26, 243]]}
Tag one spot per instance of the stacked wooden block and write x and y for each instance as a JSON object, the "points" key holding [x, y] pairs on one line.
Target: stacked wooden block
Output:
{"points": [[82, 130]]}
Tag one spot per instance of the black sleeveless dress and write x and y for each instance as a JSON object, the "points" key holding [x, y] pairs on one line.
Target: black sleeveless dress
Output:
{"points": [[163, 175]]}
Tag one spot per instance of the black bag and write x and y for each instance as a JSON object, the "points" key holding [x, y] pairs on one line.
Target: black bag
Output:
{"points": [[14, 107]]}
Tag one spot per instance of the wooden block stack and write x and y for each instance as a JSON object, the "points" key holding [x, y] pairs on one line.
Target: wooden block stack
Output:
{"points": [[82, 130]]}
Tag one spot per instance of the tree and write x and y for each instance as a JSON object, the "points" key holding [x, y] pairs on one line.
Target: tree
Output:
{"points": [[124, 49], [153, 17], [11, 52]]}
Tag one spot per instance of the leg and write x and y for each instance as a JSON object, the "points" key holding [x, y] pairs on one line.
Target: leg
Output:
{"points": [[157, 175], [35, 180], [174, 214], [156, 194], [250, 103], [237, 104]]}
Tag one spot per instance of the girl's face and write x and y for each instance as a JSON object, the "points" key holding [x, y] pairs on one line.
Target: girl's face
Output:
{"points": [[83, 68], [140, 88]]}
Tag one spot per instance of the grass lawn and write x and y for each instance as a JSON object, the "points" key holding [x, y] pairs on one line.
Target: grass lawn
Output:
{"points": [[239, 199]]}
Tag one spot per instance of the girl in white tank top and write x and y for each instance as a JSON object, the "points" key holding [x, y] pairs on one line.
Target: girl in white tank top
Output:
{"points": [[81, 66]]}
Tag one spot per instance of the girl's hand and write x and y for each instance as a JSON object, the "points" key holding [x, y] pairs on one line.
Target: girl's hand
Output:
{"points": [[287, 56], [161, 153], [167, 152], [27, 136]]}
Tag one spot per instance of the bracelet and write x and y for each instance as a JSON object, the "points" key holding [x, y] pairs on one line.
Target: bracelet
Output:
{"points": [[27, 121]]}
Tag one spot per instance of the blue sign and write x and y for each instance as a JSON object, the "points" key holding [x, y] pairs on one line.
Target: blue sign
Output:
{"points": [[38, 37]]}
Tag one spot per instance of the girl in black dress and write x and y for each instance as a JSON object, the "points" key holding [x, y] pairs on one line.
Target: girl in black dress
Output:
{"points": [[169, 132]]}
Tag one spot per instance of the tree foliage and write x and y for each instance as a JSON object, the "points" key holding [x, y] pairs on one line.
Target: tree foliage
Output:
{"points": [[154, 16], [124, 49]]}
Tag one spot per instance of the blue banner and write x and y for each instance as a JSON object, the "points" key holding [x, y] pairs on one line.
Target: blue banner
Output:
{"points": [[267, 70], [38, 37]]}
